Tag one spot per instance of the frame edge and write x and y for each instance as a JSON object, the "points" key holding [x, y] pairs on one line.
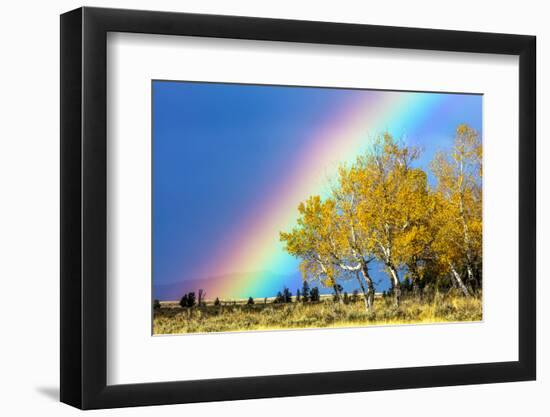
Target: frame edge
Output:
{"points": [[528, 207], [70, 216]]}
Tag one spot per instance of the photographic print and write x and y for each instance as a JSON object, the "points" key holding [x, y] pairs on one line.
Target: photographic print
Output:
{"points": [[290, 207]]}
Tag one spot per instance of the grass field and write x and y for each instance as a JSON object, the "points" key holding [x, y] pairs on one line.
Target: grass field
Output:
{"points": [[170, 318]]}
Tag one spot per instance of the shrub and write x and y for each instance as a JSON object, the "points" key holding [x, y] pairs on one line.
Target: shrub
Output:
{"points": [[287, 295], [314, 295], [346, 298], [188, 300], [406, 285], [305, 292], [217, 301], [156, 304], [250, 301], [279, 298], [184, 301]]}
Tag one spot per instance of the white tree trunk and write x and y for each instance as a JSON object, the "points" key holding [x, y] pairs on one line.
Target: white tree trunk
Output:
{"points": [[368, 294], [459, 281], [396, 285], [471, 277]]}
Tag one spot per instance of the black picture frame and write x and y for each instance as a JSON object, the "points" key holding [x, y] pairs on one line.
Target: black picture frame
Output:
{"points": [[84, 207]]}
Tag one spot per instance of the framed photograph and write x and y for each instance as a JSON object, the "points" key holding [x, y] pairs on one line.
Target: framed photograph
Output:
{"points": [[257, 208]]}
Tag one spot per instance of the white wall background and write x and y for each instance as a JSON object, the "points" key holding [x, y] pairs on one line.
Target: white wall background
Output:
{"points": [[29, 212]]}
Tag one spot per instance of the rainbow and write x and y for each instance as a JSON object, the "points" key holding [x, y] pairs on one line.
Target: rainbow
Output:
{"points": [[252, 245]]}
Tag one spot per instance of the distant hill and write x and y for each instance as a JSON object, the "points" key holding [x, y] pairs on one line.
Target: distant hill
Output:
{"points": [[174, 291], [274, 282]]}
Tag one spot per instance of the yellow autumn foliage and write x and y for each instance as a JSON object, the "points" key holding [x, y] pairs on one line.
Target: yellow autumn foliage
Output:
{"points": [[385, 208]]}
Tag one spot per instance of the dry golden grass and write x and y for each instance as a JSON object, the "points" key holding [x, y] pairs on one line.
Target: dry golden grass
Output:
{"points": [[172, 319]]}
